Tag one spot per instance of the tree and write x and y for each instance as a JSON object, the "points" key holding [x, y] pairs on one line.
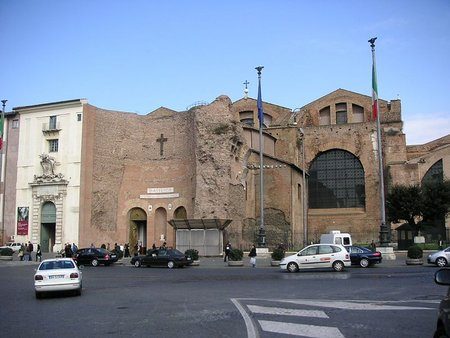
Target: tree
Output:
{"points": [[430, 203], [404, 203]]}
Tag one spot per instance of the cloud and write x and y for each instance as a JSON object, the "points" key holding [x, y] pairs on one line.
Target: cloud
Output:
{"points": [[426, 129]]}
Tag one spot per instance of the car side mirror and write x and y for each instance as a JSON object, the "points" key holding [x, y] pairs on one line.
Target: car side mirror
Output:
{"points": [[442, 277]]}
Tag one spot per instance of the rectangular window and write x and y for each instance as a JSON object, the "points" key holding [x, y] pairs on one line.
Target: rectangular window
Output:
{"points": [[53, 146], [52, 123], [15, 124], [79, 117]]}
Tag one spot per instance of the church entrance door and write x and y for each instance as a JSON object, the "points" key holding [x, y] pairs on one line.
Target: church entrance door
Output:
{"points": [[48, 225], [137, 235]]}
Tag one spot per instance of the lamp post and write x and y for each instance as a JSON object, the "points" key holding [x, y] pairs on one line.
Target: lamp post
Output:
{"points": [[262, 230]]}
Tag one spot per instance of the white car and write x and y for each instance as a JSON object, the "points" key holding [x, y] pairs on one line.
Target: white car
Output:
{"points": [[57, 274], [318, 256], [440, 258], [12, 245]]}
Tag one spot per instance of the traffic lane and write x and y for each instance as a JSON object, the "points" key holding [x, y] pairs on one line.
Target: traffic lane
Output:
{"points": [[121, 300]]}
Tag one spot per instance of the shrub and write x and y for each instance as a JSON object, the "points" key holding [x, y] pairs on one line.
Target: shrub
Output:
{"points": [[236, 255], [415, 252], [192, 253], [277, 254], [6, 252]]}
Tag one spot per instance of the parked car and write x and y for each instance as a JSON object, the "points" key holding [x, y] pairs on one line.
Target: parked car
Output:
{"points": [[162, 257], [317, 256], [440, 258], [442, 277], [13, 245], [94, 257], [363, 257], [57, 274]]}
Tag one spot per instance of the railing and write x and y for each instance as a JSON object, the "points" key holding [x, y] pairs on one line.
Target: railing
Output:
{"points": [[50, 127]]}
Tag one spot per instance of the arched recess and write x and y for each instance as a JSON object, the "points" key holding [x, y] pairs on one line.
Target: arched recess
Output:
{"points": [[48, 226], [137, 229], [435, 173], [161, 231], [180, 213], [336, 181]]}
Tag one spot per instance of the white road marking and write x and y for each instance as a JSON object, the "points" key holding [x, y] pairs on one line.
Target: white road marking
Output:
{"points": [[251, 331], [302, 330], [287, 312], [354, 306]]}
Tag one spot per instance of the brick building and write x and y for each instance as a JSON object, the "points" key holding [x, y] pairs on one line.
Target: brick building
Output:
{"points": [[191, 178]]}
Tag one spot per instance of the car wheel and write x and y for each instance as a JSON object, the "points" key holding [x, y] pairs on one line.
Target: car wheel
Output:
{"points": [[338, 266], [38, 295], [364, 262], [170, 264], [78, 292], [94, 262], [441, 262], [292, 267], [137, 263]]}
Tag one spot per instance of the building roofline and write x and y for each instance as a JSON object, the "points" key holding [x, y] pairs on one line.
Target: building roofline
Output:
{"points": [[57, 103]]}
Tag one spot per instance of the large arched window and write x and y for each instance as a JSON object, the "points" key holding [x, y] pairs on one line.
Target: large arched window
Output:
{"points": [[435, 173], [336, 181]]}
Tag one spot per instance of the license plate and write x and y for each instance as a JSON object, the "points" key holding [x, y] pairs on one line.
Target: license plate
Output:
{"points": [[55, 276]]}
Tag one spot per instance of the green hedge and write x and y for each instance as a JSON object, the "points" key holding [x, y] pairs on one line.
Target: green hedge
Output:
{"points": [[236, 255], [415, 252]]}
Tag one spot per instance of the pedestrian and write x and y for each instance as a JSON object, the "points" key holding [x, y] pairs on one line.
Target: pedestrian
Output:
{"points": [[68, 250], [373, 246], [153, 246], [252, 256], [126, 249], [74, 248], [26, 255], [227, 252], [30, 249], [92, 246], [21, 252], [38, 253]]}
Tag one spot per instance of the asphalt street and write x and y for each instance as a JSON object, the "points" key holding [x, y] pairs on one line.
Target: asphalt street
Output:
{"points": [[214, 300]]}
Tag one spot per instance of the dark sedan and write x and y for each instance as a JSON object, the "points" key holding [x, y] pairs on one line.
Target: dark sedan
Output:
{"points": [[363, 257], [162, 257], [94, 257]]}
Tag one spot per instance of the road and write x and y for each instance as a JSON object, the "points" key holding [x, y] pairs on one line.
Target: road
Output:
{"points": [[120, 300]]}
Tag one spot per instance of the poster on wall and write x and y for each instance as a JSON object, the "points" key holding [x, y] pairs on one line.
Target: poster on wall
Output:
{"points": [[22, 221]]}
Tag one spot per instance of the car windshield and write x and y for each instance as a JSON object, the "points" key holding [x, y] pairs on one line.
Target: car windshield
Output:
{"points": [[176, 252], [52, 265]]}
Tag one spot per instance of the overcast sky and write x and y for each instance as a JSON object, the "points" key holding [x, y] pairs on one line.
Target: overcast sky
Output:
{"points": [[139, 55]]}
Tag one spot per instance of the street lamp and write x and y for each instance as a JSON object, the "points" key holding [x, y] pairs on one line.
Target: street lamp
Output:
{"points": [[3, 167]]}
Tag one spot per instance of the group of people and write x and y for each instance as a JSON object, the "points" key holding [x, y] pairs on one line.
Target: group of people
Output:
{"points": [[252, 254], [26, 250], [70, 249]]}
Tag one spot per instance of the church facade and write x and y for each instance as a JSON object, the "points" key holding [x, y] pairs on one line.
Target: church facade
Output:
{"points": [[191, 178]]}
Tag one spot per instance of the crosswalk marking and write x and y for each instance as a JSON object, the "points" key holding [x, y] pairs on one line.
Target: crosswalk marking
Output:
{"points": [[354, 306], [286, 312], [302, 330]]}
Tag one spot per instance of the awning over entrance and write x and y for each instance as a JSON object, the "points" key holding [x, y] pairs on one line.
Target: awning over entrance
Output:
{"points": [[200, 223]]}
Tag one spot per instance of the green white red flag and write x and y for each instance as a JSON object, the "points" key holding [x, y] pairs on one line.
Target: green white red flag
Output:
{"points": [[374, 93]]}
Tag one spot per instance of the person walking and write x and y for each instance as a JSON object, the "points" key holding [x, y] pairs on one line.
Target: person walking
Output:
{"points": [[38, 253], [227, 252], [21, 252], [252, 256], [30, 249]]}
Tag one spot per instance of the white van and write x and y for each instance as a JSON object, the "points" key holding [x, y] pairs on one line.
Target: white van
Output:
{"points": [[336, 237]]}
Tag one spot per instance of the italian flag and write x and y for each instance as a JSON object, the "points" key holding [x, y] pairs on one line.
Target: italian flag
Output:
{"points": [[374, 93]]}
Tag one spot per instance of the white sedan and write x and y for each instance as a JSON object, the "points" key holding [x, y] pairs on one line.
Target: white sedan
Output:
{"points": [[318, 256], [57, 274], [13, 245]]}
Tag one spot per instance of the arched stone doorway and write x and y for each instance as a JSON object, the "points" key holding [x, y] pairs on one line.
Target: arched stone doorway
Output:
{"points": [[48, 226], [138, 229], [161, 232]]}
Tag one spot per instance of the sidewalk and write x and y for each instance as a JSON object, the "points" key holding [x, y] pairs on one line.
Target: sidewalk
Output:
{"points": [[216, 262]]}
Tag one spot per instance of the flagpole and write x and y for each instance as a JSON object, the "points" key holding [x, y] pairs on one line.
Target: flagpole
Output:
{"points": [[3, 173], [261, 231], [384, 230]]}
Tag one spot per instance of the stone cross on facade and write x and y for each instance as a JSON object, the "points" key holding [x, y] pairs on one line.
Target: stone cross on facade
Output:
{"points": [[161, 141]]}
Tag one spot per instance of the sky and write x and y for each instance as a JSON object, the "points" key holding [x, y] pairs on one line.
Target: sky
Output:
{"points": [[139, 55]]}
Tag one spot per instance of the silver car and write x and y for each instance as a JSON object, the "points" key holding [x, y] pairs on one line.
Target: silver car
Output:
{"points": [[440, 258]]}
